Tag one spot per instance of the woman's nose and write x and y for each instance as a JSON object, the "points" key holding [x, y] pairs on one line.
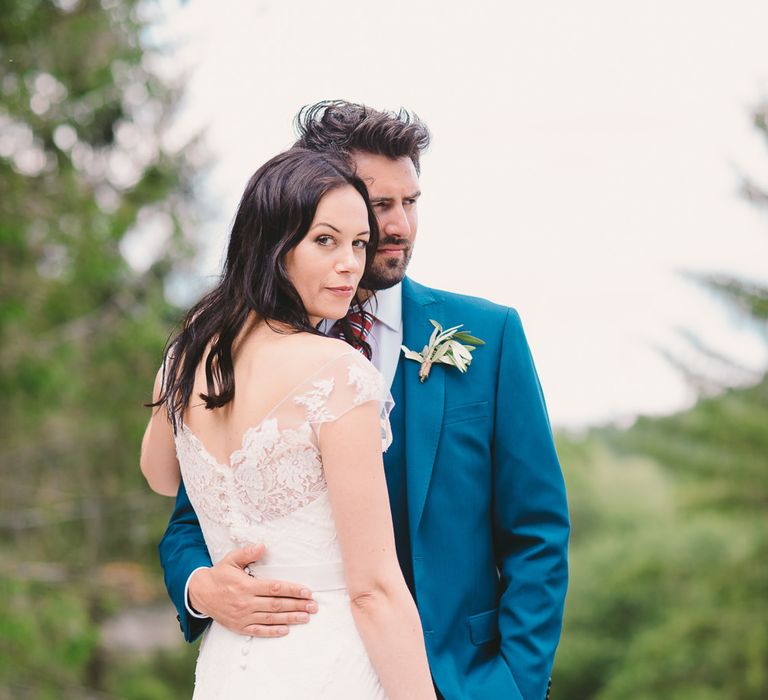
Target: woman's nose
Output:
{"points": [[347, 260]]}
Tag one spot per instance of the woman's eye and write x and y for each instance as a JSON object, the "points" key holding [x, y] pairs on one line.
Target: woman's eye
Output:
{"points": [[324, 240], [360, 243]]}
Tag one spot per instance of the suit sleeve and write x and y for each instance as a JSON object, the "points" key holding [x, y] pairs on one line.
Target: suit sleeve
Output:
{"points": [[531, 519], [182, 550]]}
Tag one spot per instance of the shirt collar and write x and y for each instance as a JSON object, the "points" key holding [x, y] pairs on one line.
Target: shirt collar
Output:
{"points": [[388, 306]]}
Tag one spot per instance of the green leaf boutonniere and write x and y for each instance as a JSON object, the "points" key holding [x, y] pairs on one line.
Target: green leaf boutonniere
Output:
{"points": [[451, 347]]}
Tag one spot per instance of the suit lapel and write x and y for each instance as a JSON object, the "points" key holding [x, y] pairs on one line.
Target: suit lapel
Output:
{"points": [[423, 402]]}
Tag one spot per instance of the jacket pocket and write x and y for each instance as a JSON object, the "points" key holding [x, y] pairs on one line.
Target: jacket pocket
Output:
{"points": [[464, 412], [484, 627]]}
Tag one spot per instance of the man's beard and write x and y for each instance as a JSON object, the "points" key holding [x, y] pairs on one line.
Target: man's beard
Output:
{"points": [[387, 272]]}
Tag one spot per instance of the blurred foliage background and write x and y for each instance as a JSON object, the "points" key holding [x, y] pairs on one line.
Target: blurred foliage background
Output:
{"points": [[669, 592], [84, 173]]}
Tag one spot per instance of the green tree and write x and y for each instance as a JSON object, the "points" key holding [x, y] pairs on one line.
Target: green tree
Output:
{"points": [[668, 595], [88, 182]]}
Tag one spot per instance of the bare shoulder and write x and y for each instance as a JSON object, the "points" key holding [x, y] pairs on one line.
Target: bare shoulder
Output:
{"points": [[335, 358], [323, 345], [298, 354], [319, 347], [270, 366]]}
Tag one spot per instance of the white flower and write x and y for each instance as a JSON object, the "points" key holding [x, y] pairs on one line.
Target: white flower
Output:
{"points": [[451, 347]]}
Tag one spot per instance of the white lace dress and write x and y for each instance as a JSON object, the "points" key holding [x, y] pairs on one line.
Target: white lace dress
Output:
{"points": [[274, 491]]}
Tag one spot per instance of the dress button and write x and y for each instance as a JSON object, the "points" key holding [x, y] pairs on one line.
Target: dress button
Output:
{"points": [[245, 650]]}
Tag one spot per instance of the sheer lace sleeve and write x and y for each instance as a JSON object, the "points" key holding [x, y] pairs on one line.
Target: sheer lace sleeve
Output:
{"points": [[345, 383]]}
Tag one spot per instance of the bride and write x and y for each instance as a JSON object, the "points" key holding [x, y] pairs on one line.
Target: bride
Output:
{"points": [[278, 430]]}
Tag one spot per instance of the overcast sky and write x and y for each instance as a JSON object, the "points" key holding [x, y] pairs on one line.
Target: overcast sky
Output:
{"points": [[583, 155]]}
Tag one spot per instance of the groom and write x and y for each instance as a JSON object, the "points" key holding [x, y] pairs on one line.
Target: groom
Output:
{"points": [[477, 496]]}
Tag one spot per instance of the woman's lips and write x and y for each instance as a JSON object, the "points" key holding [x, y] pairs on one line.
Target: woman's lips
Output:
{"points": [[341, 291]]}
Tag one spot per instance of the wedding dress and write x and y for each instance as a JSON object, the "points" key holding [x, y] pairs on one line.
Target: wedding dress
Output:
{"points": [[274, 491]]}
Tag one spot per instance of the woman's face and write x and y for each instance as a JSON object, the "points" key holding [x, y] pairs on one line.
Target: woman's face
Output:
{"points": [[326, 266]]}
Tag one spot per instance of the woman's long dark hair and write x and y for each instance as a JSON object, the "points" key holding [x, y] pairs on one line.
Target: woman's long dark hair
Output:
{"points": [[274, 215]]}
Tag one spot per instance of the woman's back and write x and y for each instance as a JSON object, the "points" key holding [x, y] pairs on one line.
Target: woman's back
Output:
{"points": [[267, 364], [262, 481], [253, 469]]}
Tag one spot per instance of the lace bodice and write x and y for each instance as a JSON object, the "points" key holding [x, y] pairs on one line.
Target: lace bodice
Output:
{"points": [[273, 490]]}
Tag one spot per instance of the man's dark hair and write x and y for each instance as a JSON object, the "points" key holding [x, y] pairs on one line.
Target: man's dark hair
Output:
{"points": [[346, 127]]}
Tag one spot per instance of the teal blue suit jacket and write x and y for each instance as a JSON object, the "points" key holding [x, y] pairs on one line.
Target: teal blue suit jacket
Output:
{"points": [[487, 513]]}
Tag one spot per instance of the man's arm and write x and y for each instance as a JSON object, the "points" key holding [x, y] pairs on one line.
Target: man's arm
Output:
{"points": [[530, 519], [224, 592], [182, 551]]}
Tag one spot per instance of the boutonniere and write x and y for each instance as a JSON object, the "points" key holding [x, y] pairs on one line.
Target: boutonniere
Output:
{"points": [[451, 347]]}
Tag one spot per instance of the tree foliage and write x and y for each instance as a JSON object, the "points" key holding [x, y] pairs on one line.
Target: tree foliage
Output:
{"points": [[670, 552], [88, 182]]}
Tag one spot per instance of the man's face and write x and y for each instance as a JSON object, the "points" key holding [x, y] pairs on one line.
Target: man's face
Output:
{"points": [[393, 187]]}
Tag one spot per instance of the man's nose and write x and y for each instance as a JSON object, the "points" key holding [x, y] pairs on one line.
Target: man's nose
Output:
{"points": [[396, 223]]}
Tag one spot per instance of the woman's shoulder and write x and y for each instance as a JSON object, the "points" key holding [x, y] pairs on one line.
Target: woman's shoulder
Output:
{"points": [[312, 354], [323, 345], [307, 370], [337, 357], [321, 355], [292, 343], [320, 349]]}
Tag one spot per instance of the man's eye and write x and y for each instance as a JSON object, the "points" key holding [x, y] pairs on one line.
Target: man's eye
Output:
{"points": [[380, 205], [409, 202]]}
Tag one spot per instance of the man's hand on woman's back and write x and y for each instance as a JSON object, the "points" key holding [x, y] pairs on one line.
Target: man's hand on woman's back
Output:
{"points": [[227, 593]]}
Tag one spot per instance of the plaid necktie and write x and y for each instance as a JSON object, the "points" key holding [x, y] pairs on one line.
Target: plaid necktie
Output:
{"points": [[361, 324]]}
